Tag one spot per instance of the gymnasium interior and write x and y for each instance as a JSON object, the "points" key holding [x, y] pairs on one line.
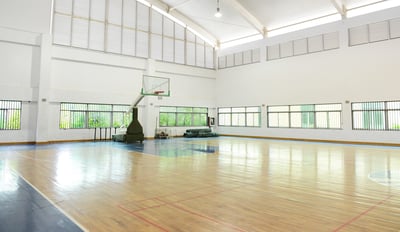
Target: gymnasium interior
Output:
{"points": [[189, 115]]}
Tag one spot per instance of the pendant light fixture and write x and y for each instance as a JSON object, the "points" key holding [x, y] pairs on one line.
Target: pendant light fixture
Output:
{"points": [[218, 14]]}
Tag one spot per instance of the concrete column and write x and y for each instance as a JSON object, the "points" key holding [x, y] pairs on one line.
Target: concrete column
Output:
{"points": [[42, 91]]}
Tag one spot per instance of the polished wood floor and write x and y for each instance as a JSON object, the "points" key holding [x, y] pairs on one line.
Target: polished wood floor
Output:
{"points": [[217, 184]]}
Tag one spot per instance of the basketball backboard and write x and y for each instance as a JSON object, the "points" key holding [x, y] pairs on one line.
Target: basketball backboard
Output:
{"points": [[155, 86]]}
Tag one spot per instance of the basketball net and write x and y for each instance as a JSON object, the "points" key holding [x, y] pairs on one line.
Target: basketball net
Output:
{"points": [[157, 93]]}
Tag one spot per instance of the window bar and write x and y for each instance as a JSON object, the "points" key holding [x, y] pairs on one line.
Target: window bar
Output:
{"points": [[106, 11], [136, 30], [122, 27], [72, 22], [89, 23]]}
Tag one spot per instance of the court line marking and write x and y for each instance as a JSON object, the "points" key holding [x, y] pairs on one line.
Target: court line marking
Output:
{"points": [[52, 203], [363, 213], [177, 201], [143, 219], [172, 204], [203, 216]]}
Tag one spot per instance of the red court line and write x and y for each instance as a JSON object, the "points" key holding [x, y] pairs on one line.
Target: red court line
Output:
{"points": [[363, 213], [164, 203], [192, 190], [146, 208], [204, 216], [171, 202], [144, 219], [172, 194], [206, 194]]}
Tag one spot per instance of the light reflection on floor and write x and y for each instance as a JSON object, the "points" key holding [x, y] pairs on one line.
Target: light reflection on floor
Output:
{"points": [[246, 181], [172, 147], [23, 209], [386, 178]]}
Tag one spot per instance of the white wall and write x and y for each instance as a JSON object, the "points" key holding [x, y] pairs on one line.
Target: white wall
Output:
{"points": [[19, 59], [83, 76], [360, 73], [26, 15]]}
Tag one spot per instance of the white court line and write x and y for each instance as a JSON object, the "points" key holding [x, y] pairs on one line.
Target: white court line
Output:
{"points": [[51, 202]]}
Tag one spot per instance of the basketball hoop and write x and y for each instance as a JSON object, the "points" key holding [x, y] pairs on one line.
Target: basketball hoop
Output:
{"points": [[157, 93]]}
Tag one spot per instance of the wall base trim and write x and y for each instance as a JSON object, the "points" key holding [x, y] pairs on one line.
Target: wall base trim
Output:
{"points": [[229, 135], [316, 140]]}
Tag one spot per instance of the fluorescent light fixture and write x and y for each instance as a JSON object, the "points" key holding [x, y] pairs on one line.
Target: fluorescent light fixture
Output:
{"points": [[163, 12], [202, 37], [144, 2], [304, 25], [240, 41], [168, 15], [372, 8]]}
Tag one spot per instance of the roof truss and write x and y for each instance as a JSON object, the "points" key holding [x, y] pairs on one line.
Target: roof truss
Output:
{"points": [[249, 17], [339, 5], [174, 12]]}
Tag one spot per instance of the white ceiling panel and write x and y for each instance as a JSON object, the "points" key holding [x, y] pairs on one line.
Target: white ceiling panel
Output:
{"points": [[244, 18], [350, 4], [279, 13]]}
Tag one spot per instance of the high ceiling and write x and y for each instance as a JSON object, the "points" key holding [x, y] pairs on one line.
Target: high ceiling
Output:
{"points": [[244, 18]]}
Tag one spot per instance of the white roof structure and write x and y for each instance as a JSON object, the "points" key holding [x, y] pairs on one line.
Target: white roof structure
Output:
{"points": [[256, 19]]}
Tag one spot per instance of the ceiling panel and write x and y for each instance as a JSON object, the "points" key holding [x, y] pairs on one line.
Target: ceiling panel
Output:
{"points": [[272, 14], [278, 13], [350, 4], [230, 26]]}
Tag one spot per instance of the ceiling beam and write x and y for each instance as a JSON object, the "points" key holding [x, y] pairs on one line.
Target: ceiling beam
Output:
{"points": [[249, 17], [178, 5], [195, 26], [339, 5], [190, 23]]}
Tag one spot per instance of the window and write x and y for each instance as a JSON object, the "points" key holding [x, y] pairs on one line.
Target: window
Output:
{"points": [[82, 115], [183, 116], [239, 116], [10, 115], [325, 116], [376, 115], [128, 27], [120, 117], [99, 115]]}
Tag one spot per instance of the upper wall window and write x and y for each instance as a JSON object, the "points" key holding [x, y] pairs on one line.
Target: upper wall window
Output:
{"points": [[376, 115], [128, 27], [374, 32], [10, 115], [325, 116]]}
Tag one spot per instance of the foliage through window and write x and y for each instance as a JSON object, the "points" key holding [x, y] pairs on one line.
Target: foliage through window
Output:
{"points": [[171, 116], [325, 116], [83, 115], [376, 115], [10, 115], [239, 116]]}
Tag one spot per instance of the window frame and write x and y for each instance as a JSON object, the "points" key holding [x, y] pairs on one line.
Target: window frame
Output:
{"points": [[186, 112], [86, 111], [7, 109], [237, 111], [290, 111], [385, 110]]}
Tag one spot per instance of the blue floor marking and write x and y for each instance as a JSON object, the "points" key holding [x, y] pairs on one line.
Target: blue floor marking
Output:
{"points": [[170, 147], [23, 209]]}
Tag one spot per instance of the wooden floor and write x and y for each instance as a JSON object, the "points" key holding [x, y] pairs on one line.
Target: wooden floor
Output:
{"points": [[218, 184]]}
